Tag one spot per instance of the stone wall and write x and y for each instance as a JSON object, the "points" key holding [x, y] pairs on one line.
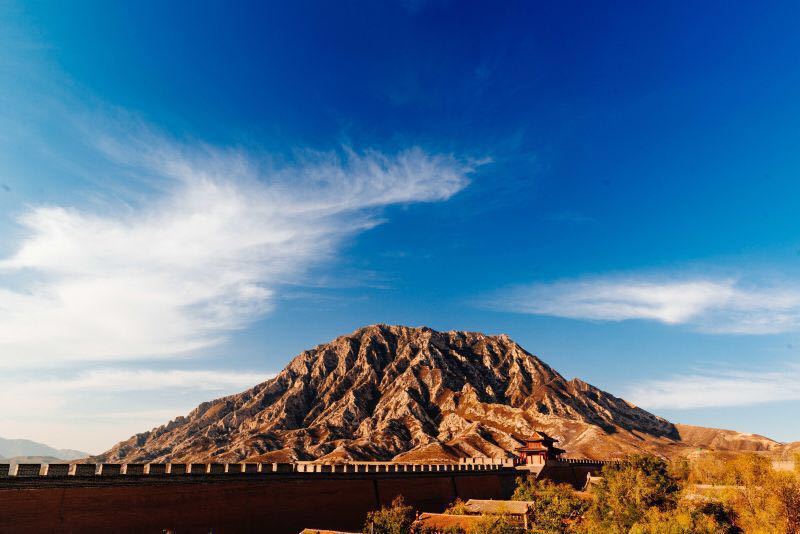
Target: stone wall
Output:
{"points": [[248, 497], [272, 501]]}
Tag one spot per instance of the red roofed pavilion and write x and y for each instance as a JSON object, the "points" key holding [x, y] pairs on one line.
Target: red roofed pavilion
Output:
{"points": [[538, 449]]}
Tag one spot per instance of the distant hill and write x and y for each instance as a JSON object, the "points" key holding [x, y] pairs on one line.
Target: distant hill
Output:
{"points": [[395, 392], [10, 448], [727, 440]]}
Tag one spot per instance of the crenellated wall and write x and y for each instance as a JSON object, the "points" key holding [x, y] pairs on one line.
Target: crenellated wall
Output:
{"points": [[245, 497], [85, 470], [276, 499]]}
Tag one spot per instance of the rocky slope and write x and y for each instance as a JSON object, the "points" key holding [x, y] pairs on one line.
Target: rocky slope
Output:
{"points": [[387, 392]]}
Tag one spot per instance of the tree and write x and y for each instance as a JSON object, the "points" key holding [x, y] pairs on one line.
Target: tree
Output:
{"points": [[766, 501], [397, 519], [785, 487], [627, 492], [688, 517], [712, 468], [554, 506]]}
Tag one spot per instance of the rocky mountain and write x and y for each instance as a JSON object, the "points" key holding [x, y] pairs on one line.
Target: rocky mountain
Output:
{"points": [[394, 392]]}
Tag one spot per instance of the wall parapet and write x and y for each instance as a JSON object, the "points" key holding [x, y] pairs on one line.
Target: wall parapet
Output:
{"points": [[251, 468], [243, 468], [584, 461]]}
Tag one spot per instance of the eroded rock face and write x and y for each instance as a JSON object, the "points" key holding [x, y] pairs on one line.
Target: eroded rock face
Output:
{"points": [[387, 392]]}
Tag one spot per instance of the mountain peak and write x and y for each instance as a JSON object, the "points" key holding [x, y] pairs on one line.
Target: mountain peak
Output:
{"points": [[392, 391]]}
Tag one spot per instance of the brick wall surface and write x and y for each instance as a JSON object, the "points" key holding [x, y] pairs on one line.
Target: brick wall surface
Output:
{"points": [[275, 503]]}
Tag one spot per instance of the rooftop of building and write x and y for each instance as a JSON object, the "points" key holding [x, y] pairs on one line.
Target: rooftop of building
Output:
{"points": [[481, 506]]}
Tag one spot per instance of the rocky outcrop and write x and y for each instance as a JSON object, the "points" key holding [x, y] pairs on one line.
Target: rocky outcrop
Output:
{"points": [[387, 392]]}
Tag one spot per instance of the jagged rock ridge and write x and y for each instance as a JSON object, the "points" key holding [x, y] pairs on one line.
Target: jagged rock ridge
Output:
{"points": [[387, 392]]}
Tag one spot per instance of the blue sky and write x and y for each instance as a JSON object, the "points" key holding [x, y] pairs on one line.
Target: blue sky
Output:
{"points": [[192, 193]]}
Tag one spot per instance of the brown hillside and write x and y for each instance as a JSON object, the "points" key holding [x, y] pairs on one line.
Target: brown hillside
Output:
{"points": [[725, 440]]}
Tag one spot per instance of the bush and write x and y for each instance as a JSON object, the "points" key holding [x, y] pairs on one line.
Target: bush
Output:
{"points": [[497, 524], [766, 501], [396, 519], [627, 492], [687, 518], [554, 507], [680, 469], [712, 468], [785, 488], [458, 507]]}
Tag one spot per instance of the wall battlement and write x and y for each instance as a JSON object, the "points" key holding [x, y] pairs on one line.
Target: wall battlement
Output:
{"points": [[243, 497], [243, 468], [586, 461], [162, 469]]}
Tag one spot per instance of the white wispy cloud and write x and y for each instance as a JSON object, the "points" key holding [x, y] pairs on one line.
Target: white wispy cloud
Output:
{"points": [[92, 409], [716, 305], [128, 380], [713, 389], [203, 253], [50, 395]]}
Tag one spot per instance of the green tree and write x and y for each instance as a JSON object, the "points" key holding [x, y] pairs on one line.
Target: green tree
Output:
{"points": [[555, 506], [397, 519], [688, 518], [627, 492]]}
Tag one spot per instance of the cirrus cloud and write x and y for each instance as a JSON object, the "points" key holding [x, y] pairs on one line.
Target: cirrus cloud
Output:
{"points": [[205, 252]]}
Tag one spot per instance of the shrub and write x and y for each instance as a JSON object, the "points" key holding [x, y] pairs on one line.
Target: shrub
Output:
{"points": [[766, 501], [711, 468], [680, 468], [785, 487], [627, 492], [554, 507], [687, 518], [457, 507], [396, 519], [494, 524]]}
